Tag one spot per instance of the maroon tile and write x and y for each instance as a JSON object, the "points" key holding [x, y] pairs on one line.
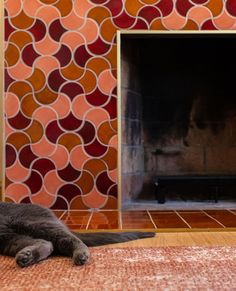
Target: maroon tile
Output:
{"points": [[225, 217], [167, 220]]}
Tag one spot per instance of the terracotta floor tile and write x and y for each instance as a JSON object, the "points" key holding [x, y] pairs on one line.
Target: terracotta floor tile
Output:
{"points": [[76, 219], [225, 217], [167, 220], [104, 220], [199, 219], [136, 220]]}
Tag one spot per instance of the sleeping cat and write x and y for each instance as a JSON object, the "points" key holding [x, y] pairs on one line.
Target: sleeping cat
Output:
{"points": [[31, 233]]}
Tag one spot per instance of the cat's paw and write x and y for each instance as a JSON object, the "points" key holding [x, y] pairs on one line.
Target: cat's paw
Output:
{"points": [[81, 255], [25, 257]]}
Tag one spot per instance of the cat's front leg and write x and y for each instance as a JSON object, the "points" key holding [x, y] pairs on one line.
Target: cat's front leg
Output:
{"points": [[72, 246], [81, 255]]}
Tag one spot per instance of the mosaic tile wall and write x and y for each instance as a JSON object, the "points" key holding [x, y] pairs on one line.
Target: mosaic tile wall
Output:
{"points": [[60, 84]]}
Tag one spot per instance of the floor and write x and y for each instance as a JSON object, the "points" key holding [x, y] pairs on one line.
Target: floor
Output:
{"points": [[175, 239], [154, 220]]}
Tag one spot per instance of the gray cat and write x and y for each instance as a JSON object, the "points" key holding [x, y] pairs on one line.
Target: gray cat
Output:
{"points": [[31, 233]]}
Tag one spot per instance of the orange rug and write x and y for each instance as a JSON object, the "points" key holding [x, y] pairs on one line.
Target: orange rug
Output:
{"points": [[171, 268]]}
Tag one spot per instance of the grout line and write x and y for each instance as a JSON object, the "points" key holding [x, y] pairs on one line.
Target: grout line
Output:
{"points": [[150, 216], [182, 219], [60, 217], [213, 218], [90, 217]]}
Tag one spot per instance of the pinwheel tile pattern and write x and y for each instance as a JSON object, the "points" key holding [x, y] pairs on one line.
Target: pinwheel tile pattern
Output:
{"points": [[60, 91]]}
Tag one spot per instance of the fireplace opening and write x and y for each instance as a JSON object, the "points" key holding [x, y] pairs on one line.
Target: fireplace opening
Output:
{"points": [[178, 116]]}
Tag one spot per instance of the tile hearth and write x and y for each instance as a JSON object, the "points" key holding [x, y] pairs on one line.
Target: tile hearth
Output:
{"points": [[155, 220]]}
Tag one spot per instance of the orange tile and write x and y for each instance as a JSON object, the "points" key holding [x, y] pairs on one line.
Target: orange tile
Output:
{"points": [[136, 220], [76, 219], [167, 219], [199, 219], [225, 217], [104, 220]]}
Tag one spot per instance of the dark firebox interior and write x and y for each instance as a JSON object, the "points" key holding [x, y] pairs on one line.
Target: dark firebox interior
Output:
{"points": [[186, 81], [175, 71]]}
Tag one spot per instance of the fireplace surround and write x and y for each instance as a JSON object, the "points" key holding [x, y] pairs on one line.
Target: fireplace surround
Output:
{"points": [[177, 112]]}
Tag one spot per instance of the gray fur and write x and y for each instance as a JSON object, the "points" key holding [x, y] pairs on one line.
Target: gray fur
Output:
{"points": [[31, 233]]}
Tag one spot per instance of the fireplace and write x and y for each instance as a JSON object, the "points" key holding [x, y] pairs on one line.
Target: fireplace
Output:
{"points": [[177, 112]]}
